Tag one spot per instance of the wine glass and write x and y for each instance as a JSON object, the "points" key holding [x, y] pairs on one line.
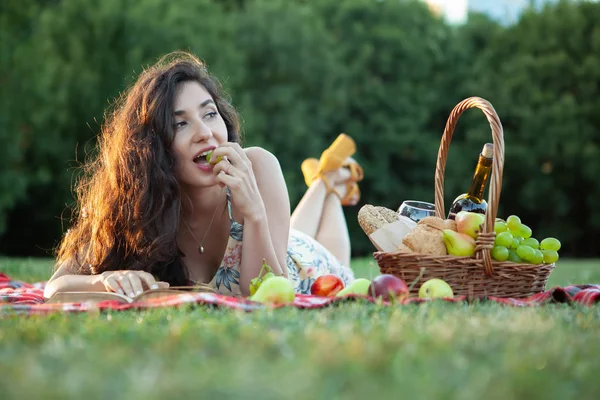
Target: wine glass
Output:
{"points": [[416, 210]]}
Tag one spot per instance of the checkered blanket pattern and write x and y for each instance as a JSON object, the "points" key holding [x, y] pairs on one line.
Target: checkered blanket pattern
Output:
{"points": [[21, 298]]}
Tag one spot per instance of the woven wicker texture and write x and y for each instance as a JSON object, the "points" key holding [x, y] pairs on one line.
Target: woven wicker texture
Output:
{"points": [[479, 275]]}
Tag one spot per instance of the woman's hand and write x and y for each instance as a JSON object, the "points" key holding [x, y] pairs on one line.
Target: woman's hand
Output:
{"points": [[235, 172], [130, 283]]}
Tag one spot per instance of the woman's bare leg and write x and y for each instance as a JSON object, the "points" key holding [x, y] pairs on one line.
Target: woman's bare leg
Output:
{"points": [[333, 230], [307, 216], [321, 216]]}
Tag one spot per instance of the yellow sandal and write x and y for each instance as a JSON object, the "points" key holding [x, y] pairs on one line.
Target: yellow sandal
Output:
{"points": [[352, 196], [332, 159], [309, 167], [336, 155]]}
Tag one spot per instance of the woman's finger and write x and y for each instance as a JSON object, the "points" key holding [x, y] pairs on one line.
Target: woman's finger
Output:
{"points": [[126, 285], [136, 283], [226, 167], [112, 285], [231, 182], [234, 157], [162, 285], [148, 280], [239, 151]]}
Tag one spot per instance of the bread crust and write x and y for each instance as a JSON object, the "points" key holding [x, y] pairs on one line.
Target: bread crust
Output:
{"points": [[371, 218]]}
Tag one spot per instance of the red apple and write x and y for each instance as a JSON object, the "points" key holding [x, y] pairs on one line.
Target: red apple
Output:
{"points": [[389, 287], [326, 285]]}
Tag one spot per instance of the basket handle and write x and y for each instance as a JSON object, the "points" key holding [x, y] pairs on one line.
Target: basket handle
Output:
{"points": [[485, 239]]}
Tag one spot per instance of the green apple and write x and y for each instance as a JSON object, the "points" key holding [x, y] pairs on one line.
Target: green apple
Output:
{"points": [[435, 289], [357, 286]]}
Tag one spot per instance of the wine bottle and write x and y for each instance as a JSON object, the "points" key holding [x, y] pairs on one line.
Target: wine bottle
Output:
{"points": [[473, 200]]}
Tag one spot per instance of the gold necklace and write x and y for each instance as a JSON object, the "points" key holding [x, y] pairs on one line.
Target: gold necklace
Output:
{"points": [[200, 247]]}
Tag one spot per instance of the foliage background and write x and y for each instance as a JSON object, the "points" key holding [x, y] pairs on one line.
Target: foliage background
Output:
{"points": [[386, 72]]}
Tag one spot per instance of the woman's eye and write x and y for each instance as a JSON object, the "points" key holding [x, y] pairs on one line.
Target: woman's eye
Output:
{"points": [[211, 114], [180, 124]]}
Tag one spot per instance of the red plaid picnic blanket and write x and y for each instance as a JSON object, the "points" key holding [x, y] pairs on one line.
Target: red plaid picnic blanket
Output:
{"points": [[18, 297]]}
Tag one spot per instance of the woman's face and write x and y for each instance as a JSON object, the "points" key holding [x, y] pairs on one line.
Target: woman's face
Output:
{"points": [[199, 128]]}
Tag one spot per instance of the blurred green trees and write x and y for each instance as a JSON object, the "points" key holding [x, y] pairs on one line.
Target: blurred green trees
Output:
{"points": [[386, 72]]}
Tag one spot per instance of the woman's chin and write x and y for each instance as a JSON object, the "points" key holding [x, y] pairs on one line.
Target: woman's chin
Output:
{"points": [[196, 182]]}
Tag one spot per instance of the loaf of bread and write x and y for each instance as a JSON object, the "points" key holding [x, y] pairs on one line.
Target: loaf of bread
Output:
{"points": [[404, 248], [426, 237], [372, 217]]}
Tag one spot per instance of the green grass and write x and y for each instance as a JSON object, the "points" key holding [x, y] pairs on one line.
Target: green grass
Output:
{"points": [[356, 350]]}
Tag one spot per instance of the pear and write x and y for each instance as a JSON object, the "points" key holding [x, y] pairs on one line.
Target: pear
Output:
{"points": [[458, 244], [357, 286], [276, 290], [256, 282], [469, 223], [435, 289]]}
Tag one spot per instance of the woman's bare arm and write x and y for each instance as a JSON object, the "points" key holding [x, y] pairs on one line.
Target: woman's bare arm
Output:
{"points": [[267, 236], [130, 283], [64, 281]]}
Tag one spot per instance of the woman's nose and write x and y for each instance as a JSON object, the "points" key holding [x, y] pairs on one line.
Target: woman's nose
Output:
{"points": [[202, 131]]}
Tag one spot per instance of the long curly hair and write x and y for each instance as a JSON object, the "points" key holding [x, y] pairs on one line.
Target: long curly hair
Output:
{"points": [[128, 201]]}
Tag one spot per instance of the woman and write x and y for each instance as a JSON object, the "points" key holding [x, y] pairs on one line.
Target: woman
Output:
{"points": [[152, 211]]}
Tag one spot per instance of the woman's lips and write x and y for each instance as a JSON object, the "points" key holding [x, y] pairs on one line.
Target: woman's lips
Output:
{"points": [[204, 166]]}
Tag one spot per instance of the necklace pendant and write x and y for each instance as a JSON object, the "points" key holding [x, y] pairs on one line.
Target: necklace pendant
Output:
{"points": [[201, 249]]}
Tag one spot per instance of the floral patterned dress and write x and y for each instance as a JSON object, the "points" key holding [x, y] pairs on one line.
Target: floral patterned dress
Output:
{"points": [[306, 260]]}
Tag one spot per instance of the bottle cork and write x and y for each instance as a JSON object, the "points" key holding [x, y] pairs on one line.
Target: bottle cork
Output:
{"points": [[488, 150]]}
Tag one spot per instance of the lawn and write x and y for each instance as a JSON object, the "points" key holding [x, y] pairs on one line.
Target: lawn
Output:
{"points": [[355, 350]]}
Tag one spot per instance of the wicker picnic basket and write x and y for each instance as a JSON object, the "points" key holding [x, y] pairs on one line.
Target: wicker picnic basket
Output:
{"points": [[479, 275]]}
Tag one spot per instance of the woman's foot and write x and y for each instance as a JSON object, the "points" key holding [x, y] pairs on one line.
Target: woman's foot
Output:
{"points": [[343, 182], [337, 170], [332, 159]]}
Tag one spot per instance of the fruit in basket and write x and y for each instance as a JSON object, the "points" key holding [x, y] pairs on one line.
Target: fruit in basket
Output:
{"points": [[531, 242], [550, 244], [500, 226], [358, 286], [499, 253], [550, 256], [522, 231], [516, 242], [513, 243], [469, 223], [513, 222], [276, 290], [538, 257], [525, 231], [458, 244], [526, 253], [435, 289], [389, 287], [524, 248], [326, 285], [504, 239], [514, 257]]}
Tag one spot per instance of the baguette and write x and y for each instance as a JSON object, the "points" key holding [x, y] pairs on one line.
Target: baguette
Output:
{"points": [[371, 218]]}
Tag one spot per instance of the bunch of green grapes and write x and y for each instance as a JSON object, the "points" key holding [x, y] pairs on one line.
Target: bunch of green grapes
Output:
{"points": [[514, 243]]}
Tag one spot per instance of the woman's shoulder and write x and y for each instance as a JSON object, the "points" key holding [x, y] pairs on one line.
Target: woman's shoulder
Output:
{"points": [[262, 159], [259, 154]]}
